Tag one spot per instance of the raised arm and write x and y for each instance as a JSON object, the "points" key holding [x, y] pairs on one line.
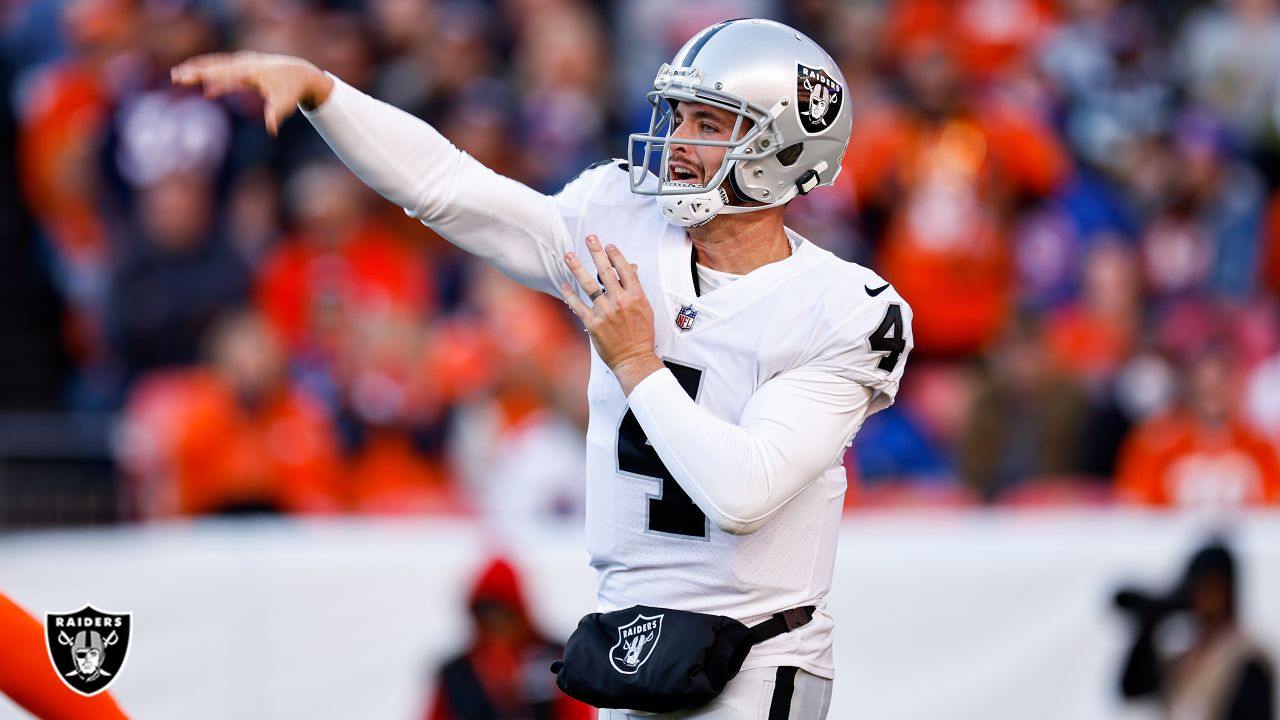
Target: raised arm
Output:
{"points": [[513, 227]]}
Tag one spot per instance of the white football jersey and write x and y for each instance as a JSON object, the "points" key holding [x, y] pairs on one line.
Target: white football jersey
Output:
{"points": [[648, 541], [810, 337]]}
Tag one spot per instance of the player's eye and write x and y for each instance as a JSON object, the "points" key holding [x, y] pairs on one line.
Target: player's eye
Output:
{"points": [[709, 129]]}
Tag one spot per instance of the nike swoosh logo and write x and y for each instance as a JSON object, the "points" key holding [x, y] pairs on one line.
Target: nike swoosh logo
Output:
{"points": [[877, 291]]}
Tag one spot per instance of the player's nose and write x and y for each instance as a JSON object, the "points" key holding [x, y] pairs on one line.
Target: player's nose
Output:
{"points": [[680, 132]]}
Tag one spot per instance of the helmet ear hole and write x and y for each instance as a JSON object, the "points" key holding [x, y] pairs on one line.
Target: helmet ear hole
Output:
{"points": [[788, 156]]}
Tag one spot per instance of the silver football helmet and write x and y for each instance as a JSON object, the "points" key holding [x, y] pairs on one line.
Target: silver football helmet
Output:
{"points": [[790, 134]]}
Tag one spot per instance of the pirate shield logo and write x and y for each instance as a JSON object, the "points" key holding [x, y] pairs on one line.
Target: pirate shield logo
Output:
{"points": [[818, 98], [636, 641], [88, 647]]}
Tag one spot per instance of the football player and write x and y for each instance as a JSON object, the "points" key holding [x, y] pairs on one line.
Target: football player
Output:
{"points": [[733, 360]]}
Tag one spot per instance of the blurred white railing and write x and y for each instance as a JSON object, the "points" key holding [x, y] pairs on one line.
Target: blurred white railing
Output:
{"points": [[940, 615]]}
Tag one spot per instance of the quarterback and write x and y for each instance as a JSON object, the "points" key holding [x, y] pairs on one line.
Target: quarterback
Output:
{"points": [[733, 361]]}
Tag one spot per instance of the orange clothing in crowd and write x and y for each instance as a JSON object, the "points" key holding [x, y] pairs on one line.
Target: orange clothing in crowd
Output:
{"points": [[987, 35], [1084, 344], [390, 476], [57, 144], [307, 291], [281, 454], [945, 248], [29, 678], [1176, 460]]}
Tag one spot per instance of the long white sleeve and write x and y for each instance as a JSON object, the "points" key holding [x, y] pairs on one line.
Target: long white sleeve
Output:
{"points": [[792, 429], [404, 159]]}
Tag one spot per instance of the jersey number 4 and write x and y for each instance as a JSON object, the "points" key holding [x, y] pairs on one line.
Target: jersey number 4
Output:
{"points": [[888, 338], [671, 511]]}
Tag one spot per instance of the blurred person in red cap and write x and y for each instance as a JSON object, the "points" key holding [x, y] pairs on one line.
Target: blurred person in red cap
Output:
{"points": [[502, 674], [1200, 455], [29, 678]]}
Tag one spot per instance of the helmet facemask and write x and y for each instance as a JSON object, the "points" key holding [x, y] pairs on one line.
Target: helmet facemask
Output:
{"points": [[752, 138]]}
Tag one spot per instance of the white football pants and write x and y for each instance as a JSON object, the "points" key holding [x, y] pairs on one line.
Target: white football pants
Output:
{"points": [[757, 694]]}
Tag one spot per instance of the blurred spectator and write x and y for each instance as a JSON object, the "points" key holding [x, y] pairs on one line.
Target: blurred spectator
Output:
{"points": [[989, 35], [1205, 235], [938, 176], [1091, 338], [235, 436], [1230, 53], [1105, 62], [517, 440], [167, 292], [561, 56], [1199, 455], [338, 269], [1262, 400], [392, 419], [896, 448], [1223, 674], [64, 107], [1026, 420], [1108, 166], [503, 674]]}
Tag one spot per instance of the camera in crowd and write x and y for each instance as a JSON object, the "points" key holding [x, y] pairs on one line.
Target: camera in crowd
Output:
{"points": [[1211, 570]]}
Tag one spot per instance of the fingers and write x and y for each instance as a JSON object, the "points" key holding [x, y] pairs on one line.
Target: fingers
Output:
{"points": [[626, 271], [277, 110], [203, 68], [580, 273], [574, 302], [604, 267]]}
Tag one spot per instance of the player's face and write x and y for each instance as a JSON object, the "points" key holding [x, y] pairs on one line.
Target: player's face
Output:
{"points": [[695, 164]]}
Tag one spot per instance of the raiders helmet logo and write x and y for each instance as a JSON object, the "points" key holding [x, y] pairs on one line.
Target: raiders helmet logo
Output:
{"points": [[636, 641], [88, 647], [818, 98]]}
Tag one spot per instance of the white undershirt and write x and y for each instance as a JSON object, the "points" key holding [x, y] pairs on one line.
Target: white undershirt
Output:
{"points": [[709, 279]]}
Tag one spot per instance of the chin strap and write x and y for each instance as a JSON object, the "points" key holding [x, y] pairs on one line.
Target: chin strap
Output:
{"points": [[699, 208], [692, 210]]}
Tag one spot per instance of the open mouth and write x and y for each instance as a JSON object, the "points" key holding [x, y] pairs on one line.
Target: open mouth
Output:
{"points": [[682, 174]]}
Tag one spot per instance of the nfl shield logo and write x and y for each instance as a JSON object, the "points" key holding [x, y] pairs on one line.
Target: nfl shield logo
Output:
{"points": [[88, 647], [686, 316], [636, 641]]}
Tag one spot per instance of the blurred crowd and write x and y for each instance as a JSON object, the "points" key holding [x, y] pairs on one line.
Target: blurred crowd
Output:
{"points": [[1078, 198]]}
